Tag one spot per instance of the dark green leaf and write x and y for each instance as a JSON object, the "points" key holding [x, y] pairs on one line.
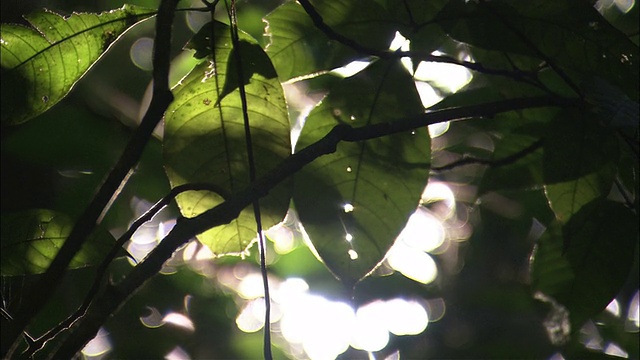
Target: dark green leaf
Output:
{"points": [[567, 198], [589, 273], [576, 144], [572, 34], [381, 179], [40, 65], [31, 240], [204, 137]]}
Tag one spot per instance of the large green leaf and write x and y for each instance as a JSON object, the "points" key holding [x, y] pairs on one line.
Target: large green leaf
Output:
{"points": [[31, 239], [204, 139], [40, 65], [354, 202], [297, 47], [585, 275], [570, 33]]}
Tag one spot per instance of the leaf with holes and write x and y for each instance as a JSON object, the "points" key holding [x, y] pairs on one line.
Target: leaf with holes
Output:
{"points": [[31, 240], [204, 138], [40, 65], [354, 202]]}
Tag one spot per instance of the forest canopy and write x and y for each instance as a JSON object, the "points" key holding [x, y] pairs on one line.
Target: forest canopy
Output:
{"points": [[320, 179]]}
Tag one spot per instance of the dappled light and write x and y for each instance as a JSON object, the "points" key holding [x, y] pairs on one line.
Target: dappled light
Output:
{"points": [[147, 237], [177, 353], [632, 324], [140, 53], [179, 320], [98, 346], [614, 308], [424, 175], [412, 263], [623, 6], [325, 328], [351, 68], [153, 320], [433, 80]]}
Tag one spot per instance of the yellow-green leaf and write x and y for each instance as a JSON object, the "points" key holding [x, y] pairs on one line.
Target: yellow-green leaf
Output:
{"points": [[204, 138], [31, 239], [40, 65]]}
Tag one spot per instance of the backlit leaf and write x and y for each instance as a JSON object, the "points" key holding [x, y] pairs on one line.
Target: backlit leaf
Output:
{"points": [[31, 240], [565, 199], [204, 139], [354, 202], [40, 65], [297, 47]]}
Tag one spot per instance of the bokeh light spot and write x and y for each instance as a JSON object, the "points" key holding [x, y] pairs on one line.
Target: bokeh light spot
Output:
{"points": [[412, 263], [141, 53], [177, 353], [179, 320], [98, 346]]}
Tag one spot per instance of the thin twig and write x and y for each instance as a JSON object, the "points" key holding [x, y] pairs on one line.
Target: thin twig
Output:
{"points": [[41, 292], [318, 21], [490, 162], [115, 295], [162, 97], [235, 39], [525, 40], [101, 271]]}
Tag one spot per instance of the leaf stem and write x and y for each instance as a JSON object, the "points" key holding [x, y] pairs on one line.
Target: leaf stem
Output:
{"points": [[233, 19]]}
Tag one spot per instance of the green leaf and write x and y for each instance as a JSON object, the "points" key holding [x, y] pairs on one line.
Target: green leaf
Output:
{"points": [[568, 151], [570, 33], [524, 173], [40, 65], [354, 202], [298, 48], [589, 273], [576, 144], [204, 139], [31, 239], [567, 198]]}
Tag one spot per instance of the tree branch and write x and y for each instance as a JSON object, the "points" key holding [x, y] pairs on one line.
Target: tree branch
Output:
{"points": [[318, 21], [39, 294], [490, 162], [38, 344], [186, 228]]}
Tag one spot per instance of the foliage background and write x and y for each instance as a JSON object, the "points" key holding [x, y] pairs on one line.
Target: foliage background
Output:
{"points": [[57, 160]]}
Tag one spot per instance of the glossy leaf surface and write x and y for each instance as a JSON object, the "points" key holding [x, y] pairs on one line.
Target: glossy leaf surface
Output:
{"points": [[40, 65]]}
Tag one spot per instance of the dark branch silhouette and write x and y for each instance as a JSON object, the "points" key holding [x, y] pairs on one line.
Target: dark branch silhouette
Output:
{"points": [[112, 298], [38, 295]]}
